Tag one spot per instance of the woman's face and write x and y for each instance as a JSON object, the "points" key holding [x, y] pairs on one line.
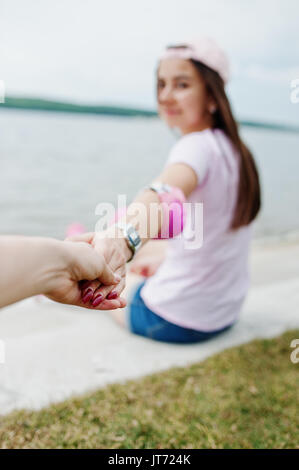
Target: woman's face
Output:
{"points": [[183, 100]]}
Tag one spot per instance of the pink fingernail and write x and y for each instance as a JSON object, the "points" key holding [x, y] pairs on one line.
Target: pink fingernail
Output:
{"points": [[87, 294], [87, 297], [97, 300], [112, 295]]}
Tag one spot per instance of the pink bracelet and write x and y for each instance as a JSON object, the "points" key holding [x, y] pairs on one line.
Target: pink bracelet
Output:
{"points": [[174, 215]]}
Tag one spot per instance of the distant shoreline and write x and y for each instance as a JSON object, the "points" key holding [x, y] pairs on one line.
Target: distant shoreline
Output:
{"points": [[39, 104]]}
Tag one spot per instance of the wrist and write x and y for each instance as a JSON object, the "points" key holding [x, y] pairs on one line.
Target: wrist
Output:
{"points": [[58, 260], [117, 234], [131, 237], [127, 252], [30, 266]]}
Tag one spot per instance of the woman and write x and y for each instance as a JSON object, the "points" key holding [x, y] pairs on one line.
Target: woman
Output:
{"points": [[197, 293], [35, 265]]}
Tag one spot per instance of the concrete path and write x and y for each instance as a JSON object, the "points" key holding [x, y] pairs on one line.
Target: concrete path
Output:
{"points": [[54, 351]]}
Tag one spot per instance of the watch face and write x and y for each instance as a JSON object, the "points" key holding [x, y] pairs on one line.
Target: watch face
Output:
{"points": [[134, 238]]}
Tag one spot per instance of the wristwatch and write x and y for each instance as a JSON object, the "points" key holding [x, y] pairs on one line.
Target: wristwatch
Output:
{"points": [[131, 236], [160, 188]]}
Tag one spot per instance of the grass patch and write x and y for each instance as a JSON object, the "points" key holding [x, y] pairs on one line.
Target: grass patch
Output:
{"points": [[245, 397]]}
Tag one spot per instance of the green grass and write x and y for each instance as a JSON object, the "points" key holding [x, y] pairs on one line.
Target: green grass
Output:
{"points": [[245, 397]]}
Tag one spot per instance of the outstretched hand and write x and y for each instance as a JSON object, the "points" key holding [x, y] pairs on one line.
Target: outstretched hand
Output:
{"points": [[84, 265], [97, 294]]}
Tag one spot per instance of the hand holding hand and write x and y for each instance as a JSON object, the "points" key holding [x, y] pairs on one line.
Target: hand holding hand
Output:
{"points": [[82, 262], [116, 253]]}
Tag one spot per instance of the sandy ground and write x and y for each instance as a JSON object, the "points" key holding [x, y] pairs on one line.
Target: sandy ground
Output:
{"points": [[53, 352]]}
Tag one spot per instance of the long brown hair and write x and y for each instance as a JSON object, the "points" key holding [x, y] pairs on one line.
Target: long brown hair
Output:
{"points": [[249, 194]]}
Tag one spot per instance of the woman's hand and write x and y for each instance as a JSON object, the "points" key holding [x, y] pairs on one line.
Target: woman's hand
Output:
{"points": [[116, 253], [82, 262], [37, 265]]}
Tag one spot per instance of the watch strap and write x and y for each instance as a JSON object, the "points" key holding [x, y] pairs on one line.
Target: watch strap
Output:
{"points": [[131, 236]]}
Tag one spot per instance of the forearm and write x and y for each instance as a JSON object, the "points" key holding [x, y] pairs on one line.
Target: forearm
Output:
{"points": [[145, 214], [28, 266], [149, 220]]}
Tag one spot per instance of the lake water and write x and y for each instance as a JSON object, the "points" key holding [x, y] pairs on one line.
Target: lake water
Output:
{"points": [[56, 168]]}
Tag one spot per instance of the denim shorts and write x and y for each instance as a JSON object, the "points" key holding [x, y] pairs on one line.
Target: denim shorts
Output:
{"points": [[143, 321]]}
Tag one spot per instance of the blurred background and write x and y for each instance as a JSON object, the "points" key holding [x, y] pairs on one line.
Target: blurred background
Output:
{"points": [[78, 126]]}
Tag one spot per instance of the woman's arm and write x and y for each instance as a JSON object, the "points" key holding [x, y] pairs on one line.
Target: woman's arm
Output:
{"points": [[112, 245], [35, 265], [178, 175]]}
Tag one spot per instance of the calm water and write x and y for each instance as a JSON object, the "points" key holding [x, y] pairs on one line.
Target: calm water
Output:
{"points": [[55, 169]]}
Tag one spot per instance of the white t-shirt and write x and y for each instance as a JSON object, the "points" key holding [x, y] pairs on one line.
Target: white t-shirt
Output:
{"points": [[203, 287]]}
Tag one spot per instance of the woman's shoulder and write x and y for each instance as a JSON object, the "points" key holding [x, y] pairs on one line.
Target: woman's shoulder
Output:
{"points": [[193, 142], [215, 142], [195, 136], [207, 138], [209, 142]]}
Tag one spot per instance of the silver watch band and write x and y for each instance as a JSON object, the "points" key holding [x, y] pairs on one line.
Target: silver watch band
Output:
{"points": [[131, 236], [159, 188]]}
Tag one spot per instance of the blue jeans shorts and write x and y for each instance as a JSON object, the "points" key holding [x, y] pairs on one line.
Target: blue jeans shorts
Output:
{"points": [[143, 321]]}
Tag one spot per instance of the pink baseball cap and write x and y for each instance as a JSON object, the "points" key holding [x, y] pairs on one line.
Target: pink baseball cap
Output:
{"points": [[203, 49]]}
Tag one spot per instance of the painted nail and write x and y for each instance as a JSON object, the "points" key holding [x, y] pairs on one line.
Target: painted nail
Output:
{"points": [[87, 294], [97, 300], [112, 295], [117, 278]]}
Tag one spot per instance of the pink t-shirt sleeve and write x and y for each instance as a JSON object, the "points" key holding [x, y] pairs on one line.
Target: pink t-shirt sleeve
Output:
{"points": [[192, 150]]}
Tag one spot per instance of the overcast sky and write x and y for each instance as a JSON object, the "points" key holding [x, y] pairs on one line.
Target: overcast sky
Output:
{"points": [[106, 51]]}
